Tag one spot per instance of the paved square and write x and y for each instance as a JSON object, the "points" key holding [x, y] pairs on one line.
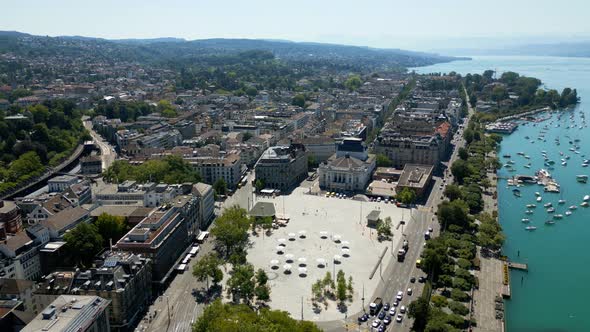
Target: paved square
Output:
{"points": [[316, 214]]}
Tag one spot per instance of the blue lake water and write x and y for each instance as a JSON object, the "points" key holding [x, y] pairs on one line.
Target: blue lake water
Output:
{"points": [[553, 295]]}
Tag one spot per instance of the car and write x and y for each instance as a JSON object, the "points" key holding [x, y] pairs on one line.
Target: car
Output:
{"points": [[386, 306], [395, 303], [363, 318], [430, 229], [399, 318], [381, 328], [402, 309], [387, 320], [421, 279], [376, 323], [409, 291], [413, 279], [381, 315], [399, 296], [392, 312]]}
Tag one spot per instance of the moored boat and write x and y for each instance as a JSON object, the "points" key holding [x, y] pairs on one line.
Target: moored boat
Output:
{"points": [[582, 178], [549, 222], [530, 228]]}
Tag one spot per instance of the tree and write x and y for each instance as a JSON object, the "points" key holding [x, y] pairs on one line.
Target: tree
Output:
{"points": [[328, 283], [406, 196], [241, 284], [246, 136], [259, 184], [383, 161], [219, 317], [353, 82], [220, 187], [453, 192], [460, 170], [110, 227], [251, 91], [298, 100], [341, 286], [231, 230], [384, 229], [453, 213], [208, 267], [350, 288], [84, 242], [419, 310], [311, 162], [463, 154]]}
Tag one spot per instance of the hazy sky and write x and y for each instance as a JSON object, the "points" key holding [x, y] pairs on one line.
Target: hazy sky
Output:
{"points": [[412, 24]]}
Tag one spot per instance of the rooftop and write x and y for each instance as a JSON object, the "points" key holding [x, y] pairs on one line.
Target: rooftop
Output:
{"points": [[263, 209], [415, 176]]}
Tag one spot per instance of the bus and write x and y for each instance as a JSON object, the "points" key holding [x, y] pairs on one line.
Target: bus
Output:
{"points": [[181, 268], [194, 251], [186, 259], [202, 236]]}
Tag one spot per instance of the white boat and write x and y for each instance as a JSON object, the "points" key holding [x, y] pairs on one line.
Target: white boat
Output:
{"points": [[568, 213], [537, 193], [549, 222], [530, 228], [547, 205], [561, 201], [557, 216], [582, 178], [539, 199], [531, 206], [550, 210], [573, 207], [584, 204], [525, 220], [586, 198], [529, 211]]}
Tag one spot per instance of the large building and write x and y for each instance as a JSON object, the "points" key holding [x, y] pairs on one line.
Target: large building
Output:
{"points": [[69, 313], [226, 167], [350, 169], [206, 197], [162, 236], [416, 178], [123, 278], [282, 167], [10, 219]]}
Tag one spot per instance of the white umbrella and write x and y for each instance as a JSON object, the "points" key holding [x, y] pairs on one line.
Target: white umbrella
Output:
{"points": [[302, 260], [321, 261], [302, 270], [289, 257], [302, 233], [291, 235], [323, 234], [280, 248], [345, 243], [337, 257], [345, 251], [287, 267], [282, 240], [282, 245], [336, 237], [274, 262]]}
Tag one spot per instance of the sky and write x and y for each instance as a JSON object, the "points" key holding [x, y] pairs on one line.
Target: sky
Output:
{"points": [[409, 24]]}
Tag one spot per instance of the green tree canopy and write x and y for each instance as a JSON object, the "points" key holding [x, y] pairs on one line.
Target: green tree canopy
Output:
{"points": [[406, 196], [208, 267], [231, 230], [110, 227], [84, 242], [220, 187], [298, 100], [383, 161], [353, 82]]}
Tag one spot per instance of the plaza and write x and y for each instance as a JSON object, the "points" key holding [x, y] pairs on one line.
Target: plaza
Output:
{"points": [[322, 228]]}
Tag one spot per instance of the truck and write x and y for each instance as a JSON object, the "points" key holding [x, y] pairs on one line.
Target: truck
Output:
{"points": [[375, 306], [401, 255], [406, 245]]}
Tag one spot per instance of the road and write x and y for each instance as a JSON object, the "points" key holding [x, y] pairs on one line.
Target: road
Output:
{"points": [[107, 152], [184, 307], [396, 277]]}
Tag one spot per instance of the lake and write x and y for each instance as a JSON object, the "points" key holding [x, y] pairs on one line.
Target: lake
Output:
{"points": [[552, 295]]}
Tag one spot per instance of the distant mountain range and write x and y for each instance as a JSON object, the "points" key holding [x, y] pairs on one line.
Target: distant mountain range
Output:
{"points": [[566, 49], [166, 49]]}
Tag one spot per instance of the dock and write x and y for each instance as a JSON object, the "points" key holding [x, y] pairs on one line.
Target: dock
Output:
{"points": [[518, 266]]}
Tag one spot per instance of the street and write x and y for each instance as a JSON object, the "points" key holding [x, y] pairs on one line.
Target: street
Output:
{"points": [[107, 153]]}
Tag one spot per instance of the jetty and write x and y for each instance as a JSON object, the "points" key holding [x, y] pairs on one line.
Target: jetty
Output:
{"points": [[518, 266]]}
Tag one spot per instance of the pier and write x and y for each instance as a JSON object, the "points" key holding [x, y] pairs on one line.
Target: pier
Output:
{"points": [[518, 266]]}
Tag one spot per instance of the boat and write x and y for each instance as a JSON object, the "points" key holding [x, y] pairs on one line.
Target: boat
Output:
{"points": [[531, 206], [529, 211], [561, 201], [537, 193], [516, 192], [586, 198], [549, 222], [582, 178], [525, 220], [584, 204], [530, 228], [527, 166], [551, 162], [506, 155], [547, 205], [568, 213], [539, 199], [557, 216], [550, 210], [572, 207]]}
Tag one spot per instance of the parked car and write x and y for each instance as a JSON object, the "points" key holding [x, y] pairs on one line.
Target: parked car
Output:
{"points": [[395, 303], [409, 291], [387, 320], [376, 323], [421, 279], [386, 306], [399, 318], [402, 310], [392, 311], [381, 315], [413, 279], [400, 295]]}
